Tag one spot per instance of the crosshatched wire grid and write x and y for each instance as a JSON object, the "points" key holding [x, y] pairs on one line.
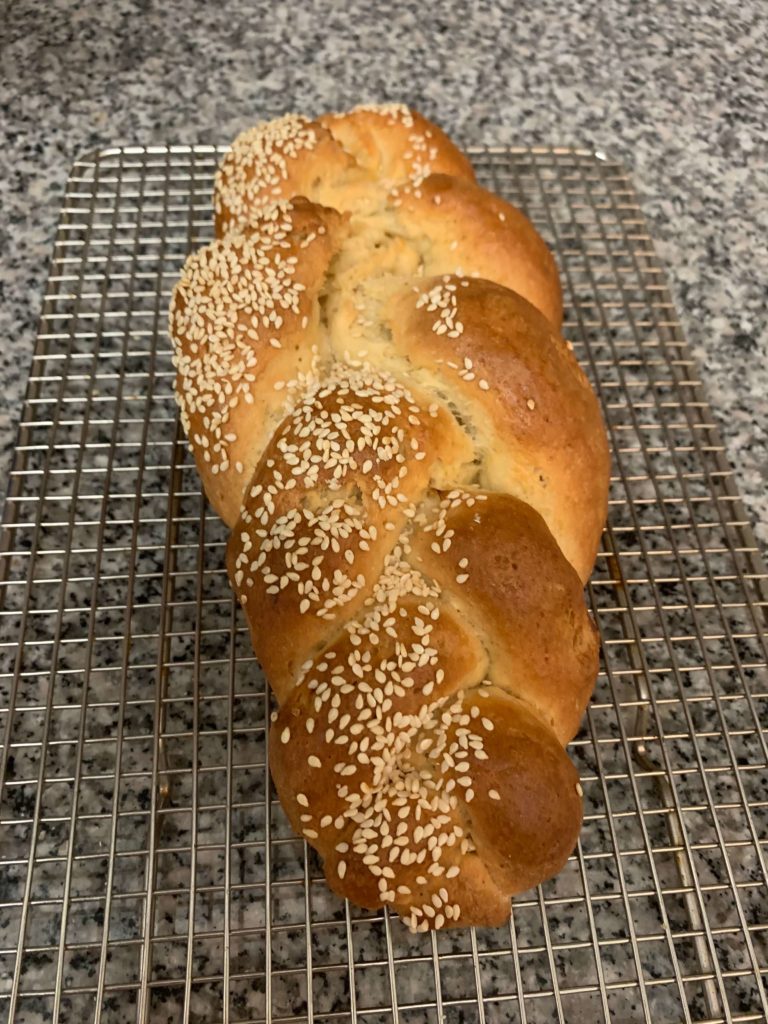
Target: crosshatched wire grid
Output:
{"points": [[148, 872]]}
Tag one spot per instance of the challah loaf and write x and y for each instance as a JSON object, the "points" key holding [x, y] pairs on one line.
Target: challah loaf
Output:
{"points": [[415, 472]]}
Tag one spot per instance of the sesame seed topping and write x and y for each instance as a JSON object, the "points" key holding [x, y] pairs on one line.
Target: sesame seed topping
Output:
{"points": [[441, 299], [393, 112], [253, 171], [228, 292], [398, 745]]}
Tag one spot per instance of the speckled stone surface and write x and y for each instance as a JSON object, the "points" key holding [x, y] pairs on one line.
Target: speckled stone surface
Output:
{"points": [[677, 91], [679, 95]]}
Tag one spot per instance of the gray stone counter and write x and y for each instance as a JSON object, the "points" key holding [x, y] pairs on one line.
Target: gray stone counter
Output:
{"points": [[677, 91]]}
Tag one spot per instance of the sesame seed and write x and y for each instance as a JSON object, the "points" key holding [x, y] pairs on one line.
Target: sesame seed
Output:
{"points": [[341, 421]]}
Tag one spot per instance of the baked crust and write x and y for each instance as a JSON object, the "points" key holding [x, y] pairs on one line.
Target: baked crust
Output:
{"points": [[415, 471]]}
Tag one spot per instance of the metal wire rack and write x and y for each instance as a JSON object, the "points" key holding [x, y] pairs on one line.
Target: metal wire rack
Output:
{"points": [[146, 870]]}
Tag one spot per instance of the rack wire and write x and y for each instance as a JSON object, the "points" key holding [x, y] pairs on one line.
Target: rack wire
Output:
{"points": [[147, 871]]}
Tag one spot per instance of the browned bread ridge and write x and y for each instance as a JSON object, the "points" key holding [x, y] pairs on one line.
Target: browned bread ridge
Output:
{"points": [[415, 471], [405, 178]]}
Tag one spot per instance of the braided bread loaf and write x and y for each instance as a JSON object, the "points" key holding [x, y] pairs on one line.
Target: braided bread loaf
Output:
{"points": [[415, 472]]}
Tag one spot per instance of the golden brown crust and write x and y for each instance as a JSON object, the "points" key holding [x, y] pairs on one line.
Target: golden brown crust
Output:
{"points": [[510, 582], [478, 800], [396, 145], [348, 161], [527, 830], [416, 471], [390, 164], [511, 378], [276, 161], [245, 322], [479, 233], [303, 563], [385, 710]]}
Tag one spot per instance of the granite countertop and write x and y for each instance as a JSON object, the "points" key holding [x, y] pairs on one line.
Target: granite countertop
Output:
{"points": [[676, 91]]}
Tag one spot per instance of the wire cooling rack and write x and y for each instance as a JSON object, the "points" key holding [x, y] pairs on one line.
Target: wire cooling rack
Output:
{"points": [[147, 871]]}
